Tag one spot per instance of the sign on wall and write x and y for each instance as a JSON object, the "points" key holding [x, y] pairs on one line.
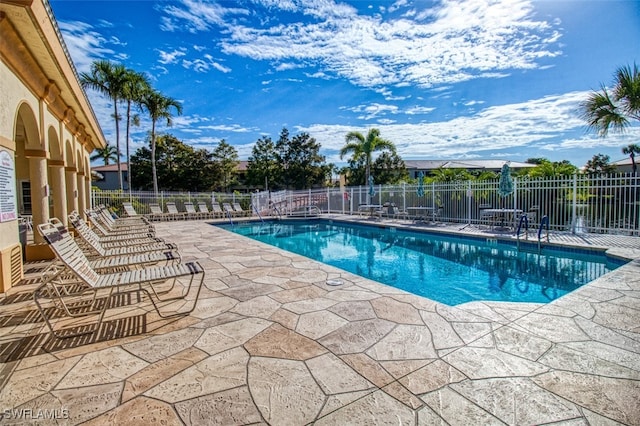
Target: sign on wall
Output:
{"points": [[8, 200]]}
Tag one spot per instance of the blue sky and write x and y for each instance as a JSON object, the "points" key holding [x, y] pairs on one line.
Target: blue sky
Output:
{"points": [[468, 79]]}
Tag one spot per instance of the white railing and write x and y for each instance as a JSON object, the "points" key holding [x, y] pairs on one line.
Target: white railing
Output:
{"points": [[579, 204]]}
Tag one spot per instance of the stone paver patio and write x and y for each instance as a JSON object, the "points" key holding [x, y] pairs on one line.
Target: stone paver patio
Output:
{"points": [[271, 343]]}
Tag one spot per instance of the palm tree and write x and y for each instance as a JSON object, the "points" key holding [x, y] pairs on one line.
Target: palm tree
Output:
{"points": [[631, 150], [615, 109], [363, 147], [106, 154], [158, 106], [136, 84], [108, 79]]}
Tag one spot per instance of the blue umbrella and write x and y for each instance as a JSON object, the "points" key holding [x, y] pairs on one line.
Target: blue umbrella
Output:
{"points": [[505, 184], [372, 190], [420, 184]]}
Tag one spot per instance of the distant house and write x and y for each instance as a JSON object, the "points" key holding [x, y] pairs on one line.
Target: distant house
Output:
{"points": [[624, 165], [427, 166], [106, 177]]}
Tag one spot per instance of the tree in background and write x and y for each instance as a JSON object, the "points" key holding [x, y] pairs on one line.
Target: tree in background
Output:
{"points": [[179, 166], [359, 146], [108, 79], [263, 167], [134, 88], [615, 109], [225, 158], [389, 168], [598, 165], [546, 168], [159, 107], [106, 154], [300, 165], [631, 150]]}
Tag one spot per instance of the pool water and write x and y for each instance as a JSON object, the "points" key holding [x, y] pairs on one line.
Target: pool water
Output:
{"points": [[451, 270]]}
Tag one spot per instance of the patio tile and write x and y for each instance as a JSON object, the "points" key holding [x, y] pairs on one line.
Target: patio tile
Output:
{"points": [[561, 357], [457, 410], [443, 334], [86, 402], [335, 402], [554, 328], [277, 341], [482, 363], [29, 383], [140, 411], [284, 391], [300, 293], [335, 376], [229, 335], [398, 312], [160, 371], [431, 377], [375, 408], [517, 401], [162, 346], [369, 369], [517, 342], [356, 336], [231, 407], [106, 366], [404, 342], [261, 306], [401, 368], [225, 370], [285, 318], [317, 324], [354, 311], [399, 392]]}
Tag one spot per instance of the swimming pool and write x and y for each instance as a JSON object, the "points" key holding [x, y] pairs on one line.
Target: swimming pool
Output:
{"points": [[451, 270]]}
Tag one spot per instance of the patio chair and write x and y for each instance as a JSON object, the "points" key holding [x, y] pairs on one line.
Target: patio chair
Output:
{"points": [[100, 259], [204, 210], [59, 290], [397, 213], [92, 243], [173, 213], [130, 211], [104, 228], [486, 216], [532, 215], [241, 212], [114, 222], [217, 210], [229, 211], [113, 240], [191, 212], [156, 212]]}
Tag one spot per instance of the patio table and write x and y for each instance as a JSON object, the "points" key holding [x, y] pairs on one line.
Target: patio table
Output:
{"points": [[505, 215], [426, 211]]}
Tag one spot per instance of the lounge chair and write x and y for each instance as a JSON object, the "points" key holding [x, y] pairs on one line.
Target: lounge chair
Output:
{"points": [[229, 211], [173, 213], [100, 259], [93, 244], [191, 212], [217, 210], [121, 223], [156, 212], [113, 240], [204, 210], [57, 289], [105, 229], [241, 212], [130, 211]]}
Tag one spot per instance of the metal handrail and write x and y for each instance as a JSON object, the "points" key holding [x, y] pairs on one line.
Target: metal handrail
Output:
{"points": [[524, 218], [543, 221], [257, 212]]}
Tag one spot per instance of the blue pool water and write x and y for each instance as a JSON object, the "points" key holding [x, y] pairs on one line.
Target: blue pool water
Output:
{"points": [[451, 270]]}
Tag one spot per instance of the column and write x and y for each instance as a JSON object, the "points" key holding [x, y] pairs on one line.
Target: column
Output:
{"points": [[82, 201], [58, 190], [39, 191], [72, 188]]}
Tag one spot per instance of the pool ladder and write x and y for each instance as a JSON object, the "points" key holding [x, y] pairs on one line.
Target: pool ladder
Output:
{"points": [[525, 219]]}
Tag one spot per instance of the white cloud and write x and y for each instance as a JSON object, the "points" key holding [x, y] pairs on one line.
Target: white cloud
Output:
{"points": [[167, 58]]}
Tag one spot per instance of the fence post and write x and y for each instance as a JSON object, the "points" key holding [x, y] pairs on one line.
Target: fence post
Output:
{"points": [[574, 206]]}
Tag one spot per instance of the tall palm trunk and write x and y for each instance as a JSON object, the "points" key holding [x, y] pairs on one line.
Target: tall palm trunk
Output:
{"points": [[115, 111], [153, 158], [127, 145]]}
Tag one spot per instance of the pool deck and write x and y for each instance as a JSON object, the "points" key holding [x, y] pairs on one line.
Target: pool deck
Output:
{"points": [[271, 343]]}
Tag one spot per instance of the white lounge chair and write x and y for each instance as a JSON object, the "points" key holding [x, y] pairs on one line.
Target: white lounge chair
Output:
{"points": [[58, 290]]}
